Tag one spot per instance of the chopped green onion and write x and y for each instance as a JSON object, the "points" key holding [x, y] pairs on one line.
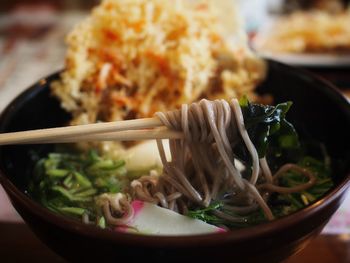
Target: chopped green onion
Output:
{"points": [[82, 180], [57, 172], [72, 210], [86, 193], [304, 199], [107, 165], [101, 222], [309, 196], [68, 181], [68, 195]]}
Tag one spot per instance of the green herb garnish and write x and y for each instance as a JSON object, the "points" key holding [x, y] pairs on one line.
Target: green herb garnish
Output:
{"points": [[68, 183], [206, 214]]}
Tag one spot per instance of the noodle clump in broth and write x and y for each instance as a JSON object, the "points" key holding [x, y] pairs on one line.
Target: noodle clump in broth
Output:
{"points": [[204, 167]]}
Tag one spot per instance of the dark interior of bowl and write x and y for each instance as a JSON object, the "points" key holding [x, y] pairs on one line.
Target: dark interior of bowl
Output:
{"points": [[319, 112], [35, 109]]}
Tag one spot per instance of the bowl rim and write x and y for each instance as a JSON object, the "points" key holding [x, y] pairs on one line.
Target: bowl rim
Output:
{"points": [[238, 235]]}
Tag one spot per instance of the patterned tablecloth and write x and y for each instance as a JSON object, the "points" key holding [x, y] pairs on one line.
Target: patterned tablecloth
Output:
{"points": [[32, 46]]}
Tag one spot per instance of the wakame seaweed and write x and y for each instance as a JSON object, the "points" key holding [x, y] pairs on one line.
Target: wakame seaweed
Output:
{"points": [[268, 128]]}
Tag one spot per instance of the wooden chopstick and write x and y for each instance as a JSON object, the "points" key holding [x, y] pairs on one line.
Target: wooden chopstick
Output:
{"points": [[129, 135], [120, 130]]}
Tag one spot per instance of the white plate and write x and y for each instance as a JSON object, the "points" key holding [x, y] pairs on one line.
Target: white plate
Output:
{"points": [[297, 59], [309, 60]]}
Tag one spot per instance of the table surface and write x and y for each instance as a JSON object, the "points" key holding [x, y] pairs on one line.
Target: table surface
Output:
{"points": [[43, 46]]}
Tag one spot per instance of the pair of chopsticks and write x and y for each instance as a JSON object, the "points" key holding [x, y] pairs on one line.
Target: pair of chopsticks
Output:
{"points": [[129, 130]]}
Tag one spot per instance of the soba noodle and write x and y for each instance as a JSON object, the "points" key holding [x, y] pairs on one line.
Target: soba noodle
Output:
{"points": [[203, 169]]}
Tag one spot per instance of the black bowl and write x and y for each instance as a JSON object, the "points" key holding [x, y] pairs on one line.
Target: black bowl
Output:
{"points": [[318, 109]]}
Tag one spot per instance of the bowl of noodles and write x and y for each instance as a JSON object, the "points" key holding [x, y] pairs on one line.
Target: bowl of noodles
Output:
{"points": [[261, 167]]}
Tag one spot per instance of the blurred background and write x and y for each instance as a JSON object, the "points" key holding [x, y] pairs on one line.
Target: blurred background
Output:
{"points": [[32, 34], [59, 4]]}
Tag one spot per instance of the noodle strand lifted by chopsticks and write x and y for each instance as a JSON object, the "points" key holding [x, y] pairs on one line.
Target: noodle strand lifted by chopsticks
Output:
{"points": [[203, 168]]}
